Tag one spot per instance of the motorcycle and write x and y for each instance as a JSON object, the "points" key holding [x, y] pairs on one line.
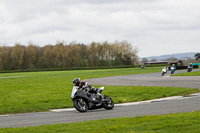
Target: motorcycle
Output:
{"points": [[172, 69], [189, 69], [164, 71], [84, 100]]}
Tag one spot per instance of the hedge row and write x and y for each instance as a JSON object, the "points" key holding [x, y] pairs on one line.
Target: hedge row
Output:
{"points": [[77, 68]]}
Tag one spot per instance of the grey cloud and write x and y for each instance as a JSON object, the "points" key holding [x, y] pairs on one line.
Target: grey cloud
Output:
{"points": [[145, 23]]}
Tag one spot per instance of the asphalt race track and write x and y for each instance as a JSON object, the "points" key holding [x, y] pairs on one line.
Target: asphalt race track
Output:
{"points": [[154, 107], [150, 79]]}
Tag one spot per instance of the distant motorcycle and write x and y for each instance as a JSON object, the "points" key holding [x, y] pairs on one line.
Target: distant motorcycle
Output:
{"points": [[172, 69], [190, 67], [164, 71], [84, 100]]}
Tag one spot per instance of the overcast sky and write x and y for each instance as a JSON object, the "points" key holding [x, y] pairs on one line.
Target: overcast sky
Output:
{"points": [[155, 27]]}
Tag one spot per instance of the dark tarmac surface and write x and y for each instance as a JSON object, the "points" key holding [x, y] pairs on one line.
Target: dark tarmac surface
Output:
{"points": [[150, 79], [183, 104]]}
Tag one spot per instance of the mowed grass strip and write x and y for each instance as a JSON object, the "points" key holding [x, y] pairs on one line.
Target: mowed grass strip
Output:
{"points": [[123, 94], [42, 91], [195, 73], [170, 123]]}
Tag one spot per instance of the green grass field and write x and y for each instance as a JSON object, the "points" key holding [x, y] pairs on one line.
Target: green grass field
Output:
{"points": [[195, 73], [42, 91], [171, 123]]}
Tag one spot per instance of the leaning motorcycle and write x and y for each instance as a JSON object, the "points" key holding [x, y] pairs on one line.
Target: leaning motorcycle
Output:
{"points": [[84, 100], [189, 69], [172, 70], [164, 71]]}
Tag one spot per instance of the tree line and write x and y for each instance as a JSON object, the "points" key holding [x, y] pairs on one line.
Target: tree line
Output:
{"points": [[63, 55]]}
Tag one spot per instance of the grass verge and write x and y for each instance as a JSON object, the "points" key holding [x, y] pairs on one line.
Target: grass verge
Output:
{"points": [[170, 123], [195, 73]]}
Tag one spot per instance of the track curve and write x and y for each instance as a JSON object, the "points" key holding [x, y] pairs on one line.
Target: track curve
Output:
{"points": [[150, 79]]}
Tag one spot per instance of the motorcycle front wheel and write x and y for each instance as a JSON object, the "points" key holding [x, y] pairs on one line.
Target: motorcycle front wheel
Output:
{"points": [[108, 104], [80, 105], [163, 73]]}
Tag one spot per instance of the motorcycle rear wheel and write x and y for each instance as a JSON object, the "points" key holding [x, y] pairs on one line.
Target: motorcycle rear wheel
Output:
{"points": [[108, 105], [80, 105]]}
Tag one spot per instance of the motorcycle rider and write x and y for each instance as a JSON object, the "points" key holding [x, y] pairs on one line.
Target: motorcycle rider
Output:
{"points": [[190, 67], [165, 68], [173, 68], [164, 71], [84, 85]]}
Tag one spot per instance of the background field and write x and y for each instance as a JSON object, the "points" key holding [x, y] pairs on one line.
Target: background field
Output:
{"points": [[41, 91]]}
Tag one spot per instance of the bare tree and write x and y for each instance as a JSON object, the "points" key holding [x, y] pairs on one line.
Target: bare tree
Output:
{"points": [[31, 53], [153, 60], [197, 56], [172, 59], [144, 60], [17, 56]]}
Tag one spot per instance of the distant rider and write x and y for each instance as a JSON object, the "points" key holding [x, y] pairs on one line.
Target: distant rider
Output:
{"points": [[84, 85], [190, 65], [165, 68], [173, 66], [173, 69]]}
